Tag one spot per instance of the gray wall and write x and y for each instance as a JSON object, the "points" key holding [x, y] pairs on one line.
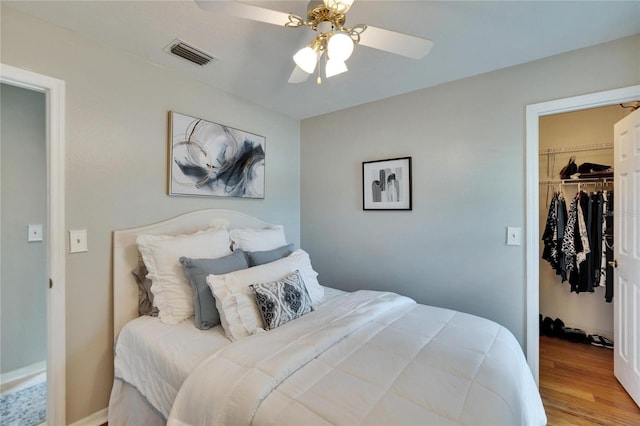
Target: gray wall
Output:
{"points": [[23, 315], [467, 142], [116, 164]]}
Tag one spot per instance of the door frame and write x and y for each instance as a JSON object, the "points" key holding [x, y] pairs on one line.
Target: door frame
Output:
{"points": [[532, 237], [54, 90]]}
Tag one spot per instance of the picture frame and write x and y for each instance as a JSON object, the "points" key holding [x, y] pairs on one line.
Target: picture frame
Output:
{"points": [[214, 160], [386, 184]]}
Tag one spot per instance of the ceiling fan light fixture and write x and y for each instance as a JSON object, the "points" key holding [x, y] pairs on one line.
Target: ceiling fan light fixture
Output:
{"points": [[327, 19], [338, 6], [340, 46], [335, 67], [306, 58]]}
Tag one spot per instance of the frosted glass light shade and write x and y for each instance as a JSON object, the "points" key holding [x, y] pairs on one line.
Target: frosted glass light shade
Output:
{"points": [[335, 67], [340, 46], [306, 59], [340, 6]]}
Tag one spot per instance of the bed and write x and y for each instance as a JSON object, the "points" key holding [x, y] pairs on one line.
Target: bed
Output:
{"points": [[361, 357]]}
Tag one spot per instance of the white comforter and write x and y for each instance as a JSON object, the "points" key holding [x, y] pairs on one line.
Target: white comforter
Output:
{"points": [[366, 358]]}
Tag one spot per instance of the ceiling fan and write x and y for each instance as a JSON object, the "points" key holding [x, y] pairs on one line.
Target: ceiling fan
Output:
{"points": [[334, 41]]}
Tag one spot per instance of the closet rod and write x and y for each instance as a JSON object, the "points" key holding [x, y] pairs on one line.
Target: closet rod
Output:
{"points": [[577, 148], [576, 181]]}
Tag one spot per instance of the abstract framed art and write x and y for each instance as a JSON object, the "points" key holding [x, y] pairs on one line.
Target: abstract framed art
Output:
{"points": [[210, 159], [386, 184]]}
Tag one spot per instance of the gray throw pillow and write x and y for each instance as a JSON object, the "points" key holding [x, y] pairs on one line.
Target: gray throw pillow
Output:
{"points": [[282, 301], [261, 257], [196, 271], [145, 297]]}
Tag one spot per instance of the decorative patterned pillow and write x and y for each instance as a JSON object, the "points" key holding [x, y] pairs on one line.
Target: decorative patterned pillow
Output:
{"points": [[282, 301]]}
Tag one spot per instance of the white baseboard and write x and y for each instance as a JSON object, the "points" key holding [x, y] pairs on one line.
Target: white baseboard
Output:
{"points": [[23, 373], [96, 419]]}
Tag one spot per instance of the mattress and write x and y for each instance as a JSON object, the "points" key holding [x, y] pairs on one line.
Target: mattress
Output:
{"points": [[153, 359]]}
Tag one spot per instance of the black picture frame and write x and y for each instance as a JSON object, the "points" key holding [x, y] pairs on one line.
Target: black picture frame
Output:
{"points": [[386, 184]]}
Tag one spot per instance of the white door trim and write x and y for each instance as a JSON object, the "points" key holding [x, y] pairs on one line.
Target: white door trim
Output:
{"points": [[54, 90], [532, 247]]}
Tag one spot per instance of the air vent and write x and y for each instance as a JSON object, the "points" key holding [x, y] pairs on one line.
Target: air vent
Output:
{"points": [[189, 52]]}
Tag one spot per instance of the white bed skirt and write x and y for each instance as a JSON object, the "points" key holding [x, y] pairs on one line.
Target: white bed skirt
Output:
{"points": [[128, 407]]}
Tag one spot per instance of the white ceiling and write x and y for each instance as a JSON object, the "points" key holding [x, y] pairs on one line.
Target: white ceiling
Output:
{"points": [[469, 38]]}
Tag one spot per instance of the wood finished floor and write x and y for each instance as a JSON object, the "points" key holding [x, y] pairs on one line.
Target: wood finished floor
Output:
{"points": [[578, 387]]}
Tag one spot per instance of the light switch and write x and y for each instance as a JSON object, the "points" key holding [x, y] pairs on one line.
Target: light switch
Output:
{"points": [[35, 233], [78, 241], [513, 236]]}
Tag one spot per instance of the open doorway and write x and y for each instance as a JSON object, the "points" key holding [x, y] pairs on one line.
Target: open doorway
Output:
{"points": [[533, 114], [577, 380], [55, 247], [23, 258], [584, 137], [532, 216]]}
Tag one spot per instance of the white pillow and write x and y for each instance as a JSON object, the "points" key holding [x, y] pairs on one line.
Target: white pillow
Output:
{"points": [[172, 293], [249, 239], [236, 302]]}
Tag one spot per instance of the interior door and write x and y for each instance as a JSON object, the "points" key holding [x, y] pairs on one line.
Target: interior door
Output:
{"points": [[626, 298]]}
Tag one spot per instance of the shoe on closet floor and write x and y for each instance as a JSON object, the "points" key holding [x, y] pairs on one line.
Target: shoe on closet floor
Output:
{"points": [[600, 341], [558, 328], [547, 327], [575, 335]]}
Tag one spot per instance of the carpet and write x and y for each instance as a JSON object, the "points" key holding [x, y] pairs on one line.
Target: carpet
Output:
{"points": [[24, 407]]}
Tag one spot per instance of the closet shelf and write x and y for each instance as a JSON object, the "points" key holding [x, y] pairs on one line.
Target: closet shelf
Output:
{"points": [[576, 148], [578, 181]]}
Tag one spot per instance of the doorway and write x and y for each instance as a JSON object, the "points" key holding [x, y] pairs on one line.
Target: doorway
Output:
{"points": [[532, 247], [23, 350], [55, 247], [577, 380], [584, 137]]}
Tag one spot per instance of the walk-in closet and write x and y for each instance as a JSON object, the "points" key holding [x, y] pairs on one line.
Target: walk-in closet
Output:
{"points": [[581, 143], [576, 208]]}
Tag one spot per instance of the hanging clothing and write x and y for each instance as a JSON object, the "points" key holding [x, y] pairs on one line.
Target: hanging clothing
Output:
{"points": [[585, 216], [608, 294], [579, 243], [553, 235], [570, 245], [596, 232], [550, 251], [602, 278], [561, 220]]}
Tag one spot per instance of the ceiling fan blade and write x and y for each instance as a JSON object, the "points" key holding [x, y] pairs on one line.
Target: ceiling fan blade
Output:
{"points": [[298, 75], [244, 10], [395, 42]]}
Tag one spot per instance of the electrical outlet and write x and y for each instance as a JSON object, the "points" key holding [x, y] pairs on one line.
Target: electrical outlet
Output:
{"points": [[513, 236], [78, 241]]}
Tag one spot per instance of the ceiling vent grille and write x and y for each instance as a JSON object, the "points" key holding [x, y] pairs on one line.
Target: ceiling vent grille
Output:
{"points": [[189, 52]]}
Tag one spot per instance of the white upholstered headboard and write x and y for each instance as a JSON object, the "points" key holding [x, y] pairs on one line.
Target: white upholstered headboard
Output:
{"points": [[125, 252]]}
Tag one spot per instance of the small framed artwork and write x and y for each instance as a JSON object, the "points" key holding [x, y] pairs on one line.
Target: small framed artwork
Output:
{"points": [[386, 184], [210, 159]]}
